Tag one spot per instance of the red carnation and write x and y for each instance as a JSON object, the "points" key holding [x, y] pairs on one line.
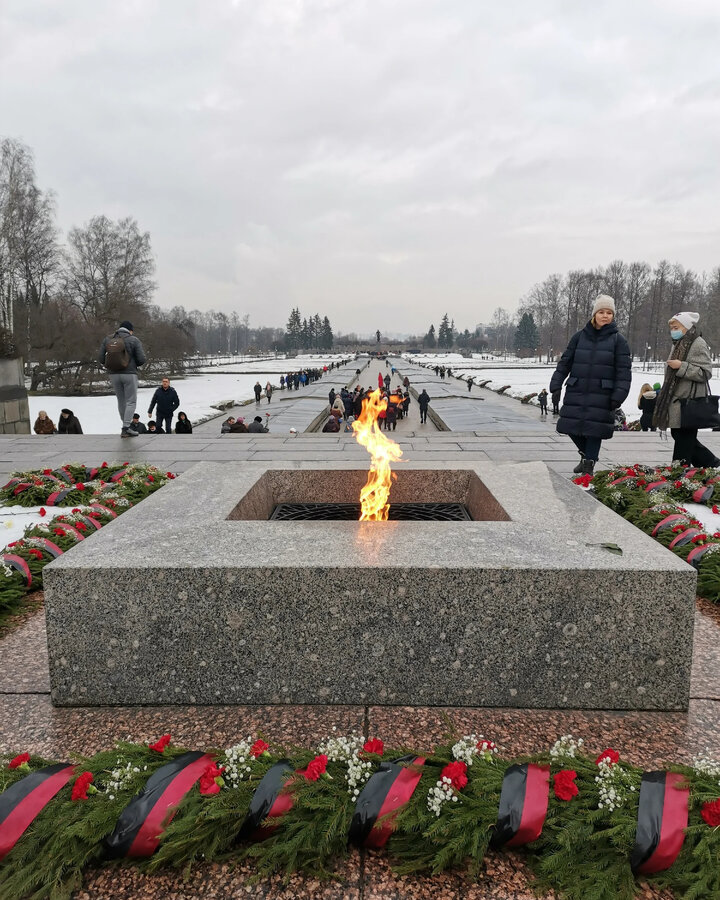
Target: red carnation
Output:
{"points": [[80, 526], [583, 480], [457, 773], [315, 768], [59, 532], [82, 782], [42, 511], [20, 760], [485, 746], [103, 465], [47, 471], [609, 755], [711, 813], [36, 553], [258, 748], [170, 475], [150, 478], [716, 509], [678, 484], [374, 745], [208, 780], [564, 784], [159, 746], [80, 486]]}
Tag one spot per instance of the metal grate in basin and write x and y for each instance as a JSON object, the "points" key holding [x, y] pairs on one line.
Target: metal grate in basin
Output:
{"points": [[350, 512]]}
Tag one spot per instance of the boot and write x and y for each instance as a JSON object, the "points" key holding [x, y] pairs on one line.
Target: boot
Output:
{"points": [[587, 467], [579, 467]]}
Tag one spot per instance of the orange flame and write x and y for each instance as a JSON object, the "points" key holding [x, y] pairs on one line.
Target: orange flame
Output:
{"points": [[374, 495]]}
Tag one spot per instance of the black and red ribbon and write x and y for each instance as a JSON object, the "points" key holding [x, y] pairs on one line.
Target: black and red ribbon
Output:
{"points": [[669, 522], [24, 800], [661, 824], [71, 529], [697, 553], [142, 822], [104, 509], [20, 565], [48, 546], [267, 802], [684, 537], [58, 496], [386, 791], [523, 805]]}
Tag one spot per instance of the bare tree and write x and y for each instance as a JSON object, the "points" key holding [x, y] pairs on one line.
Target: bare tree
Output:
{"points": [[109, 269], [28, 239]]}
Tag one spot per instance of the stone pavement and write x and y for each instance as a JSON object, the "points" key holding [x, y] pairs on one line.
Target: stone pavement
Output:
{"points": [[304, 409]]}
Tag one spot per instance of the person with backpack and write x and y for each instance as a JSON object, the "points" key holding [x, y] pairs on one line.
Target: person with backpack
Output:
{"points": [[122, 353], [167, 402]]}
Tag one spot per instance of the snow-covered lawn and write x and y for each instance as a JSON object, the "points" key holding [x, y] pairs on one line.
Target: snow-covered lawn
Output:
{"points": [[534, 377], [198, 393]]}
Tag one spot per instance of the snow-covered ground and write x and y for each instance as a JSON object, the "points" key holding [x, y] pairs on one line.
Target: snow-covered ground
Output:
{"points": [[198, 393], [533, 377]]}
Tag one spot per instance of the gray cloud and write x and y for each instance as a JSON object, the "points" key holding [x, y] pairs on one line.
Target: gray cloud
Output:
{"points": [[381, 160]]}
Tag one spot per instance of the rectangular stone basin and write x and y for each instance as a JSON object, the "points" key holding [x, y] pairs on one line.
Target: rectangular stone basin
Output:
{"points": [[194, 596]]}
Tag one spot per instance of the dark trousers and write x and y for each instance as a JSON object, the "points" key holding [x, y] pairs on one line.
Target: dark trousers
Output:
{"points": [[164, 420], [423, 414], [689, 448], [588, 446], [543, 409]]}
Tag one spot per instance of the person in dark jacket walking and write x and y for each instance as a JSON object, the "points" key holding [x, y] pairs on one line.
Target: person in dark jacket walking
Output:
{"points": [[167, 401], [646, 405], [68, 423], [423, 403], [125, 381], [687, 375], [597, 367], [542, 400], [258, 391], [183, 424]]}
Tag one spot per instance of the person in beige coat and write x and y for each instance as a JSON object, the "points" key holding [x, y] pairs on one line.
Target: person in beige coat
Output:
{"points": [[688, 372]]}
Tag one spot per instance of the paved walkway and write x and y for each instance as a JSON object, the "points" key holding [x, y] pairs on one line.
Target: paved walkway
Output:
{"points": [[303, 409]]}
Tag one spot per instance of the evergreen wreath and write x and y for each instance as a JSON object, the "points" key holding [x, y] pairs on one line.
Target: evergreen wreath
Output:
{"points": [[594, 827], [652, 498], [95, 496]]}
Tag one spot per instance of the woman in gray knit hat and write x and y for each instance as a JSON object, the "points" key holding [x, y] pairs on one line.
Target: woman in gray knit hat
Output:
{"points": [[688, 373]]}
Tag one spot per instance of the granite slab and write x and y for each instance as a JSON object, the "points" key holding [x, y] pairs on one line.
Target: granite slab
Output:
{"points": [[195, 597]]}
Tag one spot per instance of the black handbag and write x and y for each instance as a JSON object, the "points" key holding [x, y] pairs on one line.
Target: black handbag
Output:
{"points": [[700, 412]]}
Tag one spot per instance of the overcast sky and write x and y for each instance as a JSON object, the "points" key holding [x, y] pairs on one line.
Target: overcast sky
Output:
{"points": [[379, 161]]}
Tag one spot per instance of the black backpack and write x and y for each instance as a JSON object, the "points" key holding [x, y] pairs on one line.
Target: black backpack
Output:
{"points": [[117, 358]]}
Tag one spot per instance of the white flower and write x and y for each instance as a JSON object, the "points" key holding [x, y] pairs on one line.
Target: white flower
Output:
{"points": [[472, 745], [566, 747]]}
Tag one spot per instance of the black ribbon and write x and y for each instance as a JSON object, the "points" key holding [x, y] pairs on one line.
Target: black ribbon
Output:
{"points": [[266, 793], [650, 815], [510, 808], [12, 796], [372, 797], [132, 817]]}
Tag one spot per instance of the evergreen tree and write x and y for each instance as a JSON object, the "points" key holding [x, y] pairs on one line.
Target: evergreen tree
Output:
{"points": [[377, 335], [526, 335], [444, 339], [317, 331], [429, 339], [293, 332], [326, 337], [305, 339]]}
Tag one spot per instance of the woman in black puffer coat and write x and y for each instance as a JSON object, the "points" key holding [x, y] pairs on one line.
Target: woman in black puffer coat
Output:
{"points": [[598, 369]]}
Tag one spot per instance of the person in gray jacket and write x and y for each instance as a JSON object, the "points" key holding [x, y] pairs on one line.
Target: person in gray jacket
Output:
{"points": [[687, 375], [124, 378]]}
